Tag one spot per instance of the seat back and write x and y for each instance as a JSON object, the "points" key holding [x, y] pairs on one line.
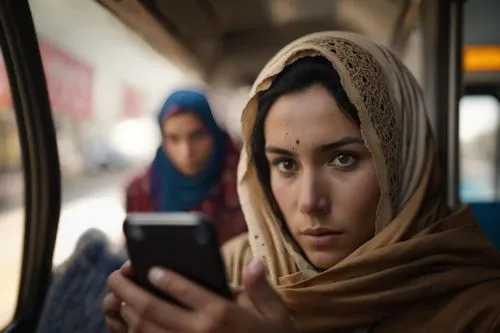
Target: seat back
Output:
{"points": [[488, 216]]}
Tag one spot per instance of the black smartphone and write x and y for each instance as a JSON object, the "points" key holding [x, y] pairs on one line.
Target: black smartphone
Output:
{"points": [[182, 242]]}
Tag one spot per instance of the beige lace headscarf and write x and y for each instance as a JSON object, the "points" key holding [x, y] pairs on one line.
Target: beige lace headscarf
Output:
{"points": [[414, 232]]}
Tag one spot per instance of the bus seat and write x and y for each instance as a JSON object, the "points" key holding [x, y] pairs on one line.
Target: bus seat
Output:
{"points": [[73, 303], [488, 217]]}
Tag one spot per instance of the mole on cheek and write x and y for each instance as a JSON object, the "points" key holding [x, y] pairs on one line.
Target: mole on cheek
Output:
{"points": [[297, 142]]}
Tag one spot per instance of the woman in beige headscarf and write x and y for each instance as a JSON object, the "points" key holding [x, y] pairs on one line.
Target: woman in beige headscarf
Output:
{"points": [[341, 190]]}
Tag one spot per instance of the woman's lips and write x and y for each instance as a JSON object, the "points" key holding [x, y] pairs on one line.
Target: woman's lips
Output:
{"points": [[322, 237]]}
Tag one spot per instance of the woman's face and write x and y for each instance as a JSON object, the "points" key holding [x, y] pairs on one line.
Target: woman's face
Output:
{"points": [[322, 175], [187, 142]]}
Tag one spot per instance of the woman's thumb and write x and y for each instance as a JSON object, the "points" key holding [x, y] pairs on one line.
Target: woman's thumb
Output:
{"points": [[260, 292]]}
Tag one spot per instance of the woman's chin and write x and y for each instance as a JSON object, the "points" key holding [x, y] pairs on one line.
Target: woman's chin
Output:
{"points": [[324, 260]]}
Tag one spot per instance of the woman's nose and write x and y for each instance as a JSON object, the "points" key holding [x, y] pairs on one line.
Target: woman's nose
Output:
{"points": [[186, 151], [313, 197]]}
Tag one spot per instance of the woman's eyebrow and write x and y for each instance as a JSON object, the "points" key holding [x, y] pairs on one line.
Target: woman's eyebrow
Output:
{"points": [[339, 143], [280, 151]]}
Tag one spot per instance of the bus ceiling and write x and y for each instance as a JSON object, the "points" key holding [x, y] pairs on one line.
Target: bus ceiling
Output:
{"points": [[231, 40]]}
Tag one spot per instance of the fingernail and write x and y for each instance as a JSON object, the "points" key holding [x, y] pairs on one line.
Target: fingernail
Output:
{"points": [[236, 287], [125, 265], [256, 266], [156, 275]]}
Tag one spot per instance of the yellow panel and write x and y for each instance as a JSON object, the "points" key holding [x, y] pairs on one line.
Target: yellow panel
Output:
{"points": [[481, 58]]}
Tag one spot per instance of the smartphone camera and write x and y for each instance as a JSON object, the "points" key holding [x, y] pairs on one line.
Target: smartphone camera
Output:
{"points": [[136, 233], [202, 234]]}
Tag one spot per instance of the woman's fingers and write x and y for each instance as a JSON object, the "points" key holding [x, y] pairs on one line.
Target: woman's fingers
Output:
{"points": [[244, 301], [116, 326], [126, 269], [149, 307], [137, 324], [236, 290], [143, 312], [188, 293], [111, 305], [261, 293]]}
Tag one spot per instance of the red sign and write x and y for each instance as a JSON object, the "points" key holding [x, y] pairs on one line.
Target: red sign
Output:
{"points": [[5, 101], [132, 102], [69, 83]]}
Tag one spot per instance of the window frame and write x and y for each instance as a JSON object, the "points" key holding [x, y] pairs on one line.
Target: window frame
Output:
{"points": [[37, 136]]}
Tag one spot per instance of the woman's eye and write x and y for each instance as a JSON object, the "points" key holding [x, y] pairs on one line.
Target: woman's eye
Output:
{"points": [[286, 166], [343, 160], [199, 135]]}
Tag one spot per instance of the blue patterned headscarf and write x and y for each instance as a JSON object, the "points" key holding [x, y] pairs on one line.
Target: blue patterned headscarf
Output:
{"points": [[172, 190]]}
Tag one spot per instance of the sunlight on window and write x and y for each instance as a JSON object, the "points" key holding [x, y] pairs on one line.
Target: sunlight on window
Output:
{"points": [[478, 132]]}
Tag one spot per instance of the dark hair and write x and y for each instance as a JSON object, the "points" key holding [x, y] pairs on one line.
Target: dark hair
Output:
{"points": [[295, 77]]}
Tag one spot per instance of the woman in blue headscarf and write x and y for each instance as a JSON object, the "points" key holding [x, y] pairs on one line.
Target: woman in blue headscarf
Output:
{"points": [[194, 169]]}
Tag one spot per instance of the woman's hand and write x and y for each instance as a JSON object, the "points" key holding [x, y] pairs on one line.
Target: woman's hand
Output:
{"points": [[111, 306], [259, 309]]}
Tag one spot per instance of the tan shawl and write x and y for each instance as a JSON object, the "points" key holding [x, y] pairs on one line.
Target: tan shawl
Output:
{"points": [[420, 252]]}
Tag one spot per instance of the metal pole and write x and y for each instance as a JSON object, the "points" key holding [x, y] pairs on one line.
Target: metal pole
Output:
{"points": [[455, 93], [443, 83]]}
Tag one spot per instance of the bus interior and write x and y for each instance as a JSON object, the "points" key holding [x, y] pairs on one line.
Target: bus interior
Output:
{"points": [[80, 81]]}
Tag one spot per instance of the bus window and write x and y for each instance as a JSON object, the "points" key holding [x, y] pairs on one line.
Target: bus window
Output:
{"points": [[11, 203], [101, 104], [479, 135]]}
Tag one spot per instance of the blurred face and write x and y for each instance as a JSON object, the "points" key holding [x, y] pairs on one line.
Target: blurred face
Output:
{"points": [[322, 175], [187, 142]]}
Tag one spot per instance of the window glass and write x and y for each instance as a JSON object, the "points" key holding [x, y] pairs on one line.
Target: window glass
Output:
{"points": [[11, 202], [105, 85], [479, 135]]}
